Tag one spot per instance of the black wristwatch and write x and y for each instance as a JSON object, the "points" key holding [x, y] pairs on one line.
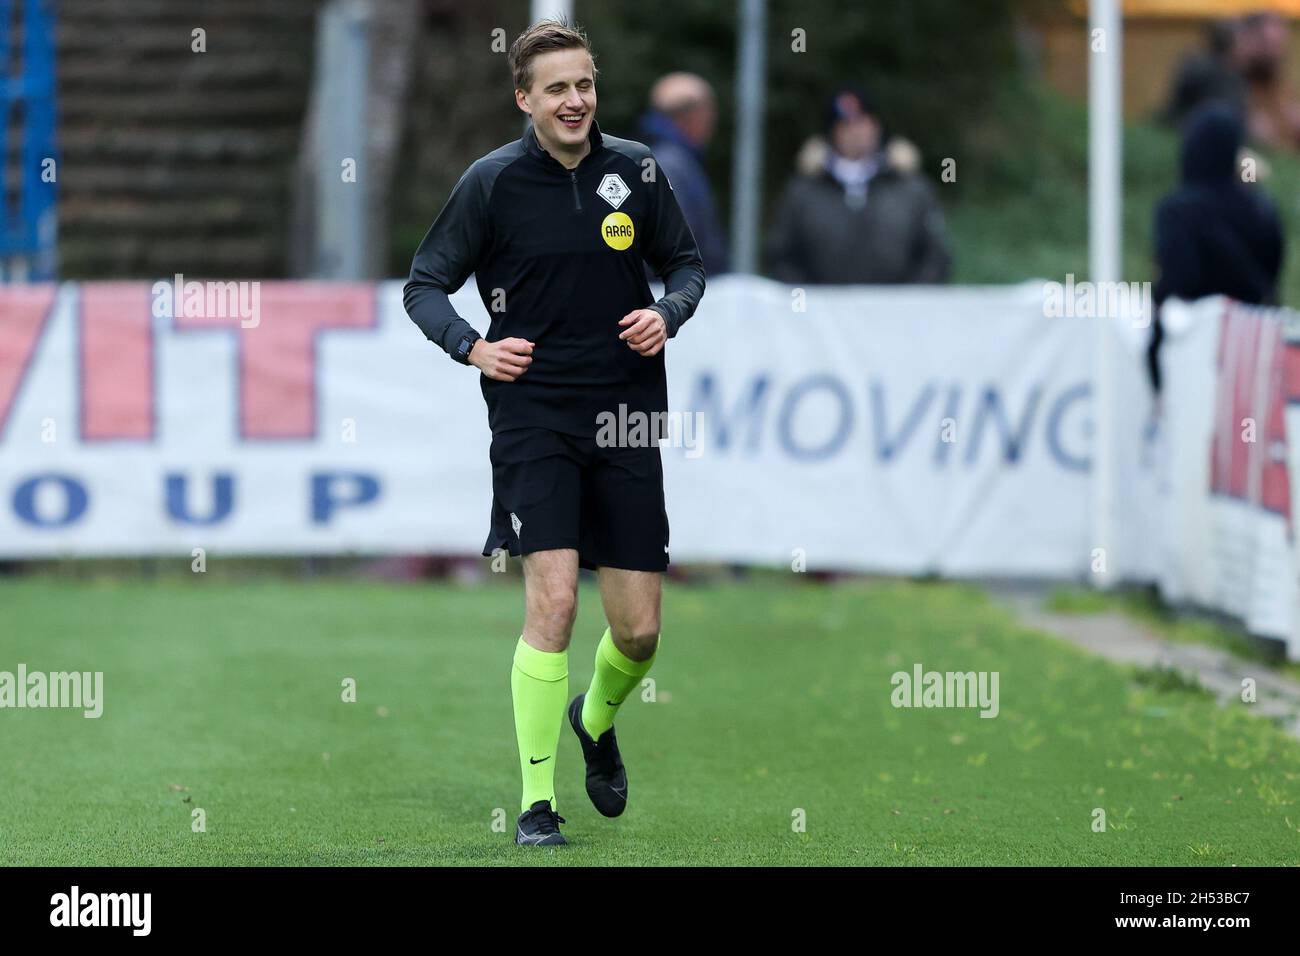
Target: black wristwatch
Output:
{"points": [[465, 346]]}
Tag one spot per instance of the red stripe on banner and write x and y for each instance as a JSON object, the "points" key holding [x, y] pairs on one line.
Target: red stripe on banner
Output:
{"points": [[1254, 382], [279, 356], [1292, 372], [277, 350], [1275, 481], [117, 369], [23, 311], [1221, 439], [1244, 382]]}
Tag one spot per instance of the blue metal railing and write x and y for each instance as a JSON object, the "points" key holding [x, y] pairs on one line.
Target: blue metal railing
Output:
{"points": [[28, 208]]}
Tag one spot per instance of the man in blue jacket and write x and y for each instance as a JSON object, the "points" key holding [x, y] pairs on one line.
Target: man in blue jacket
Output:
{"points": [[678, 128]]}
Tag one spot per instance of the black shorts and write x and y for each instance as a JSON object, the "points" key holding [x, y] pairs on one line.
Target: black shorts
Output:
{"points": [[551, 490]]}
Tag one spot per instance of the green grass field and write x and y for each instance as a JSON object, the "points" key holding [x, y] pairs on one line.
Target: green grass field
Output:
{"points": [[772, 697]]}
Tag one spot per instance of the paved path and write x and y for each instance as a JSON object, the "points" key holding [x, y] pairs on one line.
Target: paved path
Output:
{"points": [[1119, 638]]}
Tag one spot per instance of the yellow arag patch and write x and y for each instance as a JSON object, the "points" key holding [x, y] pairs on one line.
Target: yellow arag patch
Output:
{"points": [[617, 231]]}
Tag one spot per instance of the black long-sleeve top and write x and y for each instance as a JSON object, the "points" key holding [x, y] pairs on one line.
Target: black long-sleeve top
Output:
{"points": [[557, 256]]}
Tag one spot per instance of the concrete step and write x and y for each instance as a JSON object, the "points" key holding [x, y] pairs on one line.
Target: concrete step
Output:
{"points": [[229, 71], [140, 257], [220, 214], [252, 107], [193, 12], [75, 38], [173, 160], [223, 144], [254, 181]]}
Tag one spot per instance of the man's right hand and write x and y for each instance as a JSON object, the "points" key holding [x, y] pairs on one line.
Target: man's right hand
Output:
{"points": [[503, 361]]}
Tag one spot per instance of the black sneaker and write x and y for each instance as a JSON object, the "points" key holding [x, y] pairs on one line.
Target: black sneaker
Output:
{"points": [[539, 825], [606, 778]]}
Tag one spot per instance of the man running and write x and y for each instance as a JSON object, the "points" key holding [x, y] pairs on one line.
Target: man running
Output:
{"points": [[555, 228]]}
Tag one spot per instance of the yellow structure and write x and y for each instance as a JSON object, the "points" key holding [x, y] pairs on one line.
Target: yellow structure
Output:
{"points": [[1157, 33], [1202, 9]]}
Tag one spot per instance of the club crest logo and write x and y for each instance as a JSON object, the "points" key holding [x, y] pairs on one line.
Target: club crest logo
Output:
{"points": [[613, 190]]}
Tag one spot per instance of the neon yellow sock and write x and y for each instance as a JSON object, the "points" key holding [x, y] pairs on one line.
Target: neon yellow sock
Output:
{"points": [[539, 686], [616, 676]]}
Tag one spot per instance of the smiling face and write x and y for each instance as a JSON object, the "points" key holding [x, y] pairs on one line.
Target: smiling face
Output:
{"points": [[561, 101]]}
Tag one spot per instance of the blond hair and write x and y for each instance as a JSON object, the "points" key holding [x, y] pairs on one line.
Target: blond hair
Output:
{"points": [[544, 36]]}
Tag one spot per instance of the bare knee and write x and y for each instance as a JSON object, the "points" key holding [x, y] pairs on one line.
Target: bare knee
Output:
{"points": [[550, 598], [638, 636], [550, 615]]}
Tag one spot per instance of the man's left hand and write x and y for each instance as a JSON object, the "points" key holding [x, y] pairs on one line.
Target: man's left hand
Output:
{"points": [[645, 331]]}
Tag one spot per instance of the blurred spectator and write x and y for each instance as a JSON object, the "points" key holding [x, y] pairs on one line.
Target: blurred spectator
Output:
{"points": [[855, 213], [1208, 75], [1214, 234], [678, 128], [1273, 112]]}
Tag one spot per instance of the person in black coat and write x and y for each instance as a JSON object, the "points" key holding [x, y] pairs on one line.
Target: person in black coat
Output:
{"points": [[1216, 234]]}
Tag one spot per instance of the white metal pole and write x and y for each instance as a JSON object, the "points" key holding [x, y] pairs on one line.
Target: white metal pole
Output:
{"points": [[1105, 154], [551, 10], [747, 168], [339, 134], [548, 10]]}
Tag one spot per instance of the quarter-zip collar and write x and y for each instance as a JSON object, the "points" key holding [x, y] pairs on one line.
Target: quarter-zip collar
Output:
{"points": [[534, 149]]}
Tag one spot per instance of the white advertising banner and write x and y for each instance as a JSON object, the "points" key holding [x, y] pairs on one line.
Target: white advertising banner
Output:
{"points": [[1223, 507], [928, 430], [897, 430]]}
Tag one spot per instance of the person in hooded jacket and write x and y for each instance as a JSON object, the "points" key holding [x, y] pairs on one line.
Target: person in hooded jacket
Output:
{"points": [[1216, 233], [860, 217]]}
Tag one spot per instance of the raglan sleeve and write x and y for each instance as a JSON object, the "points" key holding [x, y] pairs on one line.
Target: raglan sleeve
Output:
{"points": [[673, 255], [447, 256]]}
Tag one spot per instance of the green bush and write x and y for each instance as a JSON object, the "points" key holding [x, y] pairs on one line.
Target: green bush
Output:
{"points": [[1023, 210], [934, 67], [948, 76]]}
